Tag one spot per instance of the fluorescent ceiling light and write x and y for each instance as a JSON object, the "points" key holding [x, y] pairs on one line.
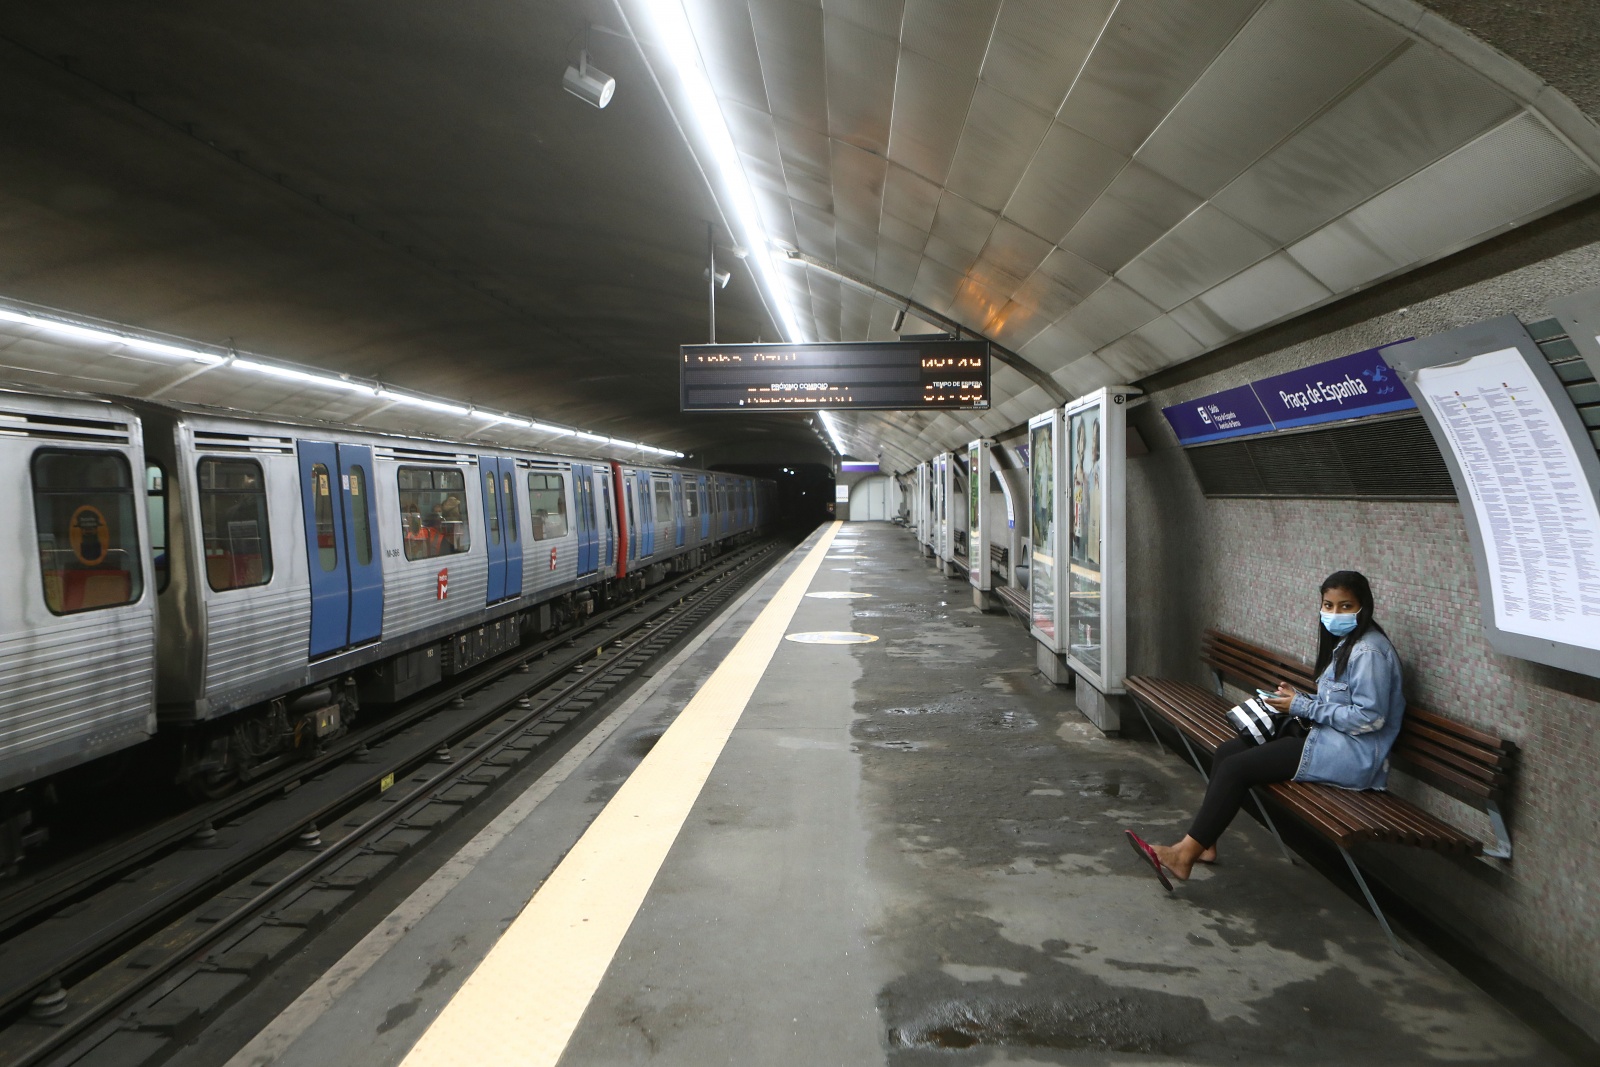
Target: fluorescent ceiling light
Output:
{"points": [[544, 427], [833, 433], [672, 29], [301, 376], [90, 333]]}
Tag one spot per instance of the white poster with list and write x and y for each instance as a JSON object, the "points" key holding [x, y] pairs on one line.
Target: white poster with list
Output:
{"points": [[1534, 506]]}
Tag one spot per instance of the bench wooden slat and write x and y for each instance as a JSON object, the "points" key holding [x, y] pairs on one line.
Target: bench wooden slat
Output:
{"points": [[1417, 750], [1459, 729], [1470, 756], [1234, 664]]}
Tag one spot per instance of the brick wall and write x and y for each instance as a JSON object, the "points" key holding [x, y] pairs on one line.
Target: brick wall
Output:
{"points": [[1253, 566]]}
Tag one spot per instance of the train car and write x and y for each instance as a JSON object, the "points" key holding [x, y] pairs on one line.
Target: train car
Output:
{"points": [[77, 609], [245, 586]]}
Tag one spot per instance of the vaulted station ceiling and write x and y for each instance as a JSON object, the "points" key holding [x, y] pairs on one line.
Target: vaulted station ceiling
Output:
{"points": [[1111, 188], [401, 192]]}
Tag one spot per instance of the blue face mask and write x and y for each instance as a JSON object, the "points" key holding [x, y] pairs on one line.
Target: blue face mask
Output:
{"points": [[1338, 625]]}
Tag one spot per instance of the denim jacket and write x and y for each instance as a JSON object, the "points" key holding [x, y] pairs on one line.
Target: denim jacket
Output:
{"points": [[1356, 718]]}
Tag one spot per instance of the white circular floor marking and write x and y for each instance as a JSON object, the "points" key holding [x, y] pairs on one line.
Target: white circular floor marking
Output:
{"points": [[837, 594], [831, 637]]}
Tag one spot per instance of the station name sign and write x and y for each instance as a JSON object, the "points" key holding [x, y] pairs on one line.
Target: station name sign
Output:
{"points": [[1345, 388], [864, 376]]}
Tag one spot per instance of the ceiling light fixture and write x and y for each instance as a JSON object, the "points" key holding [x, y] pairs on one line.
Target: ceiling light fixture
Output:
{"points": [[589, 84], [833, 432], [85, 333], [677, 41]]}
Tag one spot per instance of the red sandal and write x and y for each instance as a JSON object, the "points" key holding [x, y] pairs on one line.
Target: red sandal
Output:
{"points": [[1145, 852]]}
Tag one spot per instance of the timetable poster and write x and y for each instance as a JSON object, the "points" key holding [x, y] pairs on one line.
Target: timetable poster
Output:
{"points": [[1534, 506]]}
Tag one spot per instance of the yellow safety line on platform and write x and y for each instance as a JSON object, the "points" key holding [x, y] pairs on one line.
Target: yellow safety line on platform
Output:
{"points": [[524, 1001]]}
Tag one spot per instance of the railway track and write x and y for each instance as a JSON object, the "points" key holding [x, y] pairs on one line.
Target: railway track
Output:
{"points": [[166, 927]]}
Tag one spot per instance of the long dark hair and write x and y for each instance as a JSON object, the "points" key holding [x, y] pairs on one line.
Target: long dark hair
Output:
{"points": [[1357, 583]]}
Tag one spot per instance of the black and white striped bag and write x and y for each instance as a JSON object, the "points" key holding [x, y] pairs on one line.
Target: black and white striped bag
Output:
{"points": [[1257, 722]]}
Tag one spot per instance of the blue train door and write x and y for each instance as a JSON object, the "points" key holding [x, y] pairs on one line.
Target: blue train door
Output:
{"points": [[647, 513], [494, 523], [364, 561], [513, 526], [603, 512], [583, 509], [341, 531], [705, 507], [677, 508]]}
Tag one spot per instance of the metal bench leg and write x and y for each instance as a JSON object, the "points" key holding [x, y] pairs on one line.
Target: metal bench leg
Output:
{"points": [[1194, 759], [1149, 726], [1255, 795], [1502, 836], [1371, 903]]}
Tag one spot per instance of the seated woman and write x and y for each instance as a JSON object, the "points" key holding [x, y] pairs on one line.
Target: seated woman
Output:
{"points": [[1354, 718]]}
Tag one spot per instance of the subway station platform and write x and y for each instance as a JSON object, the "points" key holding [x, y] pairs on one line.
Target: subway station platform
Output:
{"points": [[907, 851]]}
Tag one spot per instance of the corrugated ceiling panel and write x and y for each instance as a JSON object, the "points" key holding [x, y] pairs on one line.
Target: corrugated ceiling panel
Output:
{"points": [[1514, 170], [910, 197], [1111, 311], [1015, 250], [962, 223], [1268, 291], [954, 32], [879, 16], [1414, 110], [1068, 172], [1077, 274], [807, 163], [1054, 348], [728, 47], [902, 233], [1149, 55], [936, 285], [1019, 323], [1047, 296], [857, 248], [789, 42], [996, 146], [930, 107], [1196, 254], [861, 68], [896, 267], [858, 178], [814, 227], [1040, 45], [882, 325], [1085, 376], [1287, 63], [1135, 210]]}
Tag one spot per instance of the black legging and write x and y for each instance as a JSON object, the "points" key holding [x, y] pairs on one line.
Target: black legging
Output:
{"points": [[1237, 766]]}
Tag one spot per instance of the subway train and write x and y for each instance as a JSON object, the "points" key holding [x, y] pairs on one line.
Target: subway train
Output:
{"points": [[241, 588]]}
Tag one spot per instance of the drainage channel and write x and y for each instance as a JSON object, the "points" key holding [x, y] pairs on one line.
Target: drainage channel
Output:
{"points": [[321, 845]]}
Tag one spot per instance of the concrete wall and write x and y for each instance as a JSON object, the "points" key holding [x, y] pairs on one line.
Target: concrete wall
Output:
{"points": [[1253, 566]]}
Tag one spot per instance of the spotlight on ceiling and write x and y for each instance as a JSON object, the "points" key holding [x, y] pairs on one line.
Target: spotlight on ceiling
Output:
{"points": [[589, 84], [722, 277]]}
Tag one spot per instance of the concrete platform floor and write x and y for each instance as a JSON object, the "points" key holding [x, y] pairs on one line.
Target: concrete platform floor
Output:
{"points": [[911, 852]]}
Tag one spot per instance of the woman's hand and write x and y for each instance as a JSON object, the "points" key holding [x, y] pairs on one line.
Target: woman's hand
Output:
{"points": [[1282, 698]]}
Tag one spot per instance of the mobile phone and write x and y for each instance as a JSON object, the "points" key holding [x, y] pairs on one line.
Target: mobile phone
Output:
{"points": [[1264, 694]]}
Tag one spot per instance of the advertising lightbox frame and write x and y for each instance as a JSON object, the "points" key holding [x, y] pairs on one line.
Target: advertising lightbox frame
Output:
{"points": [[1095, 533], [1046, 588]]}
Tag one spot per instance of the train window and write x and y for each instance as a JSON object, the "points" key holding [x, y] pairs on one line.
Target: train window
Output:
{"points": [[322, 502], [691, 502], [491, 505], [663, 489], [155, 501], [233, 523], [361, 525], [547, 499], [432, 511], [83, 511], [513, 532]]}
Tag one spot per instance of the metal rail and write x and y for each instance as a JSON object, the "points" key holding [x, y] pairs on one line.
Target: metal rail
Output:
{"points": [[166, 957]]}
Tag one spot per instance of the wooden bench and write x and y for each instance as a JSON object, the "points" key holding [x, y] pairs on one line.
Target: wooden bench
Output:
{"points": [[1464, 762], [999, 556]]}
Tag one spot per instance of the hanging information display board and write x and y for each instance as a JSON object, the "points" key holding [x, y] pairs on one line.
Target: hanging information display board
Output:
{"points": [[1095, 571], [1528, 478], [1045, 591]]}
